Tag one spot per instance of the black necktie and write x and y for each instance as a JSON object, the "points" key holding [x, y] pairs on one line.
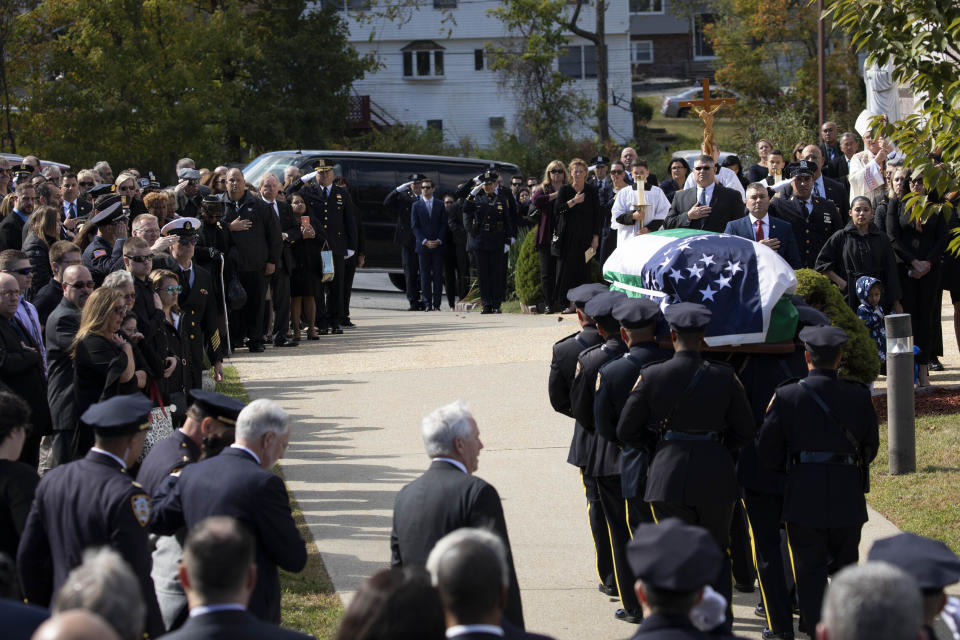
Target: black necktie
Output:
{"points": [[73, 209], [185, 283]]}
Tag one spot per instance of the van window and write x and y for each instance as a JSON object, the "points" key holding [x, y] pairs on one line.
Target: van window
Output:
{"points": [[371, 181]]}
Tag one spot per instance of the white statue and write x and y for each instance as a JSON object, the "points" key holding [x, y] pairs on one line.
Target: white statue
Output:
{"points": [[883, 91]]}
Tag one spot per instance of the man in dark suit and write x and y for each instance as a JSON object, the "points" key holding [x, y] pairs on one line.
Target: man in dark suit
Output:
{"points": [[822, 431], [289, 225], [239, 483], [448, 496], [93, 502], [62, 255], [829, 147], [469, 569], [759, 227], [60, 330], [218, 573], [813, 219], [400, 202], [428, 221], [332, 207], [709, 205], [256, 235], [198, 320], [75, 208], [11, 229]]}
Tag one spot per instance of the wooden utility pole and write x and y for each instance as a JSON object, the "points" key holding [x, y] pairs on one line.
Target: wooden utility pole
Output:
{"points": [[598, 38]]}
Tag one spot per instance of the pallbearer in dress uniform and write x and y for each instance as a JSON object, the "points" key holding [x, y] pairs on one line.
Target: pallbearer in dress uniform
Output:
{"points": [[487, 217], [198, 307], [691, 416], [603, 456], [638, 319], [93, 502], [823, 431], [563, 366]]}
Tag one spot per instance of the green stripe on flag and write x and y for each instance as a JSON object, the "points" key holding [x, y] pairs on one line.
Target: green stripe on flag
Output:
{"points": [[679, 233], [783, 321]]}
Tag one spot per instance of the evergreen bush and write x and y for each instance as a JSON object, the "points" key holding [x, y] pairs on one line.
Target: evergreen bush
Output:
{"points": [[526, 276], [860, 362]]}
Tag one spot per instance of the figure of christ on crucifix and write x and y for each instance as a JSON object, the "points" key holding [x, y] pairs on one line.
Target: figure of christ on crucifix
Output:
{"points": [[706, 113]]}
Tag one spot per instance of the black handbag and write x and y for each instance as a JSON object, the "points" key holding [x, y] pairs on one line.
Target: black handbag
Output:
{"points": [[236, 294], [556, 241]]}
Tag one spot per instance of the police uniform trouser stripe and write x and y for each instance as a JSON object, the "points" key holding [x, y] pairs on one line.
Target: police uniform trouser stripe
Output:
{"points": [[756, 565], [598, 555]]}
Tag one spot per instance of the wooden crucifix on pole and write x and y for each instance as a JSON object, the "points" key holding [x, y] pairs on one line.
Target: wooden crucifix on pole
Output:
{"points": [[706, 108]]}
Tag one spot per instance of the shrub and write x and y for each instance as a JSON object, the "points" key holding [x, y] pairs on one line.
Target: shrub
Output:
{"points": [[860, 359], [512, 256], [526, 276]]}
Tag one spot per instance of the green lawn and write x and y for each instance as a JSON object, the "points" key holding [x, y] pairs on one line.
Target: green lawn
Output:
{"points": [[310, 603], [926, 502]]}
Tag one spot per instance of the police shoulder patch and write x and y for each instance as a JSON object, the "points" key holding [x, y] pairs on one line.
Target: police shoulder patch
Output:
{"points": [[597, 388], [637, 383], [99, 253], [141, 508]]}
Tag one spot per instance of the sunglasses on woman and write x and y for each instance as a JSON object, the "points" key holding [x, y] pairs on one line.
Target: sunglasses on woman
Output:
{"points": [[557, 171], [172, 289]]}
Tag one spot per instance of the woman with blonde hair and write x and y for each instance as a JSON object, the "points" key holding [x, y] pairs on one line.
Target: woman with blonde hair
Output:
{"points": [[544, 199], [577, 229], [103, 361], [43, 229], [126, 187], [9, 202]]}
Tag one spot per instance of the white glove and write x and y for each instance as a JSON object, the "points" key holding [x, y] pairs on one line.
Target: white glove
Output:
{"points": [[951, 615], [350, 253], [405, 185], [476, 190], [476, 180], [512, 240], [307, 178], [710, 612], [506, 248]]}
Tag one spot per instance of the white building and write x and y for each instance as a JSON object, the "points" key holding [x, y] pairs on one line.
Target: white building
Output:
{"points": [[434, 72]]}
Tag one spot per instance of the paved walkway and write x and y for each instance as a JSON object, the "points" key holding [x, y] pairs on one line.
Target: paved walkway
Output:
{"points": [[357, 400]]}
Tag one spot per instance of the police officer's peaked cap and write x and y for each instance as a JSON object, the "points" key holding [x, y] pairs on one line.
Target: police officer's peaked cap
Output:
{"points": [[674, 556], [602, 304], [826, 338], [634, 313], [799, 168], [929, 561], [581, 295], [108, 210], [216, 405], [119, 415], [323, 165], [211, 200], [489, 176], [687, 317], [600, 161], [98, 190], [181, 227], [417, 177], [188, 174]]}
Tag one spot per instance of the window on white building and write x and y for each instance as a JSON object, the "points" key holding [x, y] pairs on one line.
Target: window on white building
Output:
{"points": [[647, 6], [435, 124], [702, 47], [641, 51], [422, 59], [444, 4], [579, 61]]}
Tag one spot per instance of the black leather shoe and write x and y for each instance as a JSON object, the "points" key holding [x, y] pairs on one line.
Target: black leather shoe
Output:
{"points": [[414, 307], [610, 591], [760, 611], [256, 348], [547, 310], [487, 309], [322, 331], [347, 323], [634, 616], [935, 365], [497, 310], [337, 331], [744, 588], [783, 635]]}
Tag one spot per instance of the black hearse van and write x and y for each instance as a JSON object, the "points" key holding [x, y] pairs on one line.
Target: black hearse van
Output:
{"points": [[370, 177]]}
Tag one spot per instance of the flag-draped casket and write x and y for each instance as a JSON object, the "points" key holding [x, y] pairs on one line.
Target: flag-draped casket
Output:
{"points": [[742, 282]]}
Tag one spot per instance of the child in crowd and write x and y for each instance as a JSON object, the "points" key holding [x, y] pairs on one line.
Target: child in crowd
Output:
{"points": [[869, 291]]}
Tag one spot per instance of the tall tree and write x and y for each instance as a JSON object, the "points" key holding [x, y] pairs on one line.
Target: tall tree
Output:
{"points": [[920, 38], [143, 82], [598, 38]]}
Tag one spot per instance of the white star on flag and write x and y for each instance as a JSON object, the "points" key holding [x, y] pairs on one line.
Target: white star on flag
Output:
{"points": [[695, 271], [676, 274], [734, 267], [707, 294], [723, 281], [706, 260]]}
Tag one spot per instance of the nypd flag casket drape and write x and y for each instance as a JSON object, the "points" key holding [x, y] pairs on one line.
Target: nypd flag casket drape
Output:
{"points": [[741, 281]]}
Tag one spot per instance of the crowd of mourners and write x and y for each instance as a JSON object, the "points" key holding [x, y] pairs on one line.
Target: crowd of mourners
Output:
{"points": [[117, 294]]}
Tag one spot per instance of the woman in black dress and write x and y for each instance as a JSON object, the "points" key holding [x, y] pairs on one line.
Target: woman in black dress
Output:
{"points": [[307, 272], [578, 219], [103, 361], [678, 172], [919, 247], [169, 344], [859, 249]]}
